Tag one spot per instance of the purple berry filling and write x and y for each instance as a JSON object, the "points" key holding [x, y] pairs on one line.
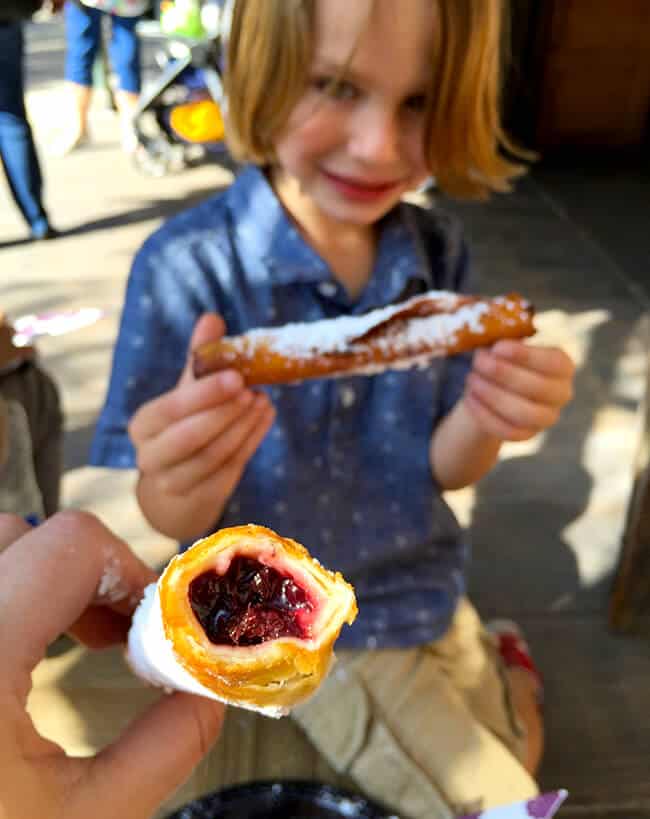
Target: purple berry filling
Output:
{"points": [[250, 604]]}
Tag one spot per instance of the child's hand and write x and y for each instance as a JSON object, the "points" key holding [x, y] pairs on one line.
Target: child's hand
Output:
{"points": [[516, 390], [194, 442]]}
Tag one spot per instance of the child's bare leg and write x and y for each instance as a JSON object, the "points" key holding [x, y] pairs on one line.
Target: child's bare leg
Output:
{"points": [[81, 96], [524, 690], [75, 130], [127, 102]]}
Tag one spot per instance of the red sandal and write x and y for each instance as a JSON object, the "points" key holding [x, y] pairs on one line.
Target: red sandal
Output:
{"points": [[514, 650]]}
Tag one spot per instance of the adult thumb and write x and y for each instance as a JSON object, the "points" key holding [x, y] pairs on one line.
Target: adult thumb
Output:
{"points": [[155, 755], [210, 327]]}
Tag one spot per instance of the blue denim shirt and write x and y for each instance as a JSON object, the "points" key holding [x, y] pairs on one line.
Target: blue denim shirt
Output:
{"points": [[345, 468]]}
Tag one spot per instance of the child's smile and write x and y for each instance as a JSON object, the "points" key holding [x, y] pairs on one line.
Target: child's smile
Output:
{"points": [[354, 143], [358, 189]]}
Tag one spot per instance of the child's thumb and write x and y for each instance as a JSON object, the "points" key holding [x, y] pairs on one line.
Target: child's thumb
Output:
{"points": [[210, 327]]}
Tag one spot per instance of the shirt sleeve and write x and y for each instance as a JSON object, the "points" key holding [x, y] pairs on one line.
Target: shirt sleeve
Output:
{"points": [[166, 294]]}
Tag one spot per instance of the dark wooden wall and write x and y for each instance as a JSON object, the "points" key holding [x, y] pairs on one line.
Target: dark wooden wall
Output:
{"points": [[580, 73]]}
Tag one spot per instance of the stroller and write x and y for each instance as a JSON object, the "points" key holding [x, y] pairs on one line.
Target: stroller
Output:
{"points": [[178, 119]]}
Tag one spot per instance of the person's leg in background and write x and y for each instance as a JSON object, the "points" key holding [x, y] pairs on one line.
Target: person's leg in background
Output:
{"points": [[124, 53], [34, 390], [83, 28], [19, 491], [17, 149]]}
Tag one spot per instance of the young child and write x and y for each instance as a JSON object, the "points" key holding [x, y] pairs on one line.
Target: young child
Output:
{"points": [[342, 107]]}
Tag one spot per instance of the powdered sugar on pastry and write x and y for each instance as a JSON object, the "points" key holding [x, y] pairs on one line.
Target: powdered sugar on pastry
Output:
{"points": [[338, 334]]}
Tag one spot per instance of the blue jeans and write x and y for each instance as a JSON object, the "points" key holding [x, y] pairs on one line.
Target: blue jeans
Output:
{"points": [[17, 149], [83, 27]]}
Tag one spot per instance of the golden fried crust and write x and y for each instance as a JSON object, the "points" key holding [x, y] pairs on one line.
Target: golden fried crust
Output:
{"points": [[281, 672], [263, 356]]}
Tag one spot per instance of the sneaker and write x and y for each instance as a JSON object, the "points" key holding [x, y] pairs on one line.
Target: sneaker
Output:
{"points": [[514, 650]]}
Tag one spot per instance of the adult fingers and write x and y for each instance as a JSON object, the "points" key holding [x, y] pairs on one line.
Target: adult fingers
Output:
{"points": [[12, 527], [51, 575], [180, 441], [155, 755], [100, 627]]}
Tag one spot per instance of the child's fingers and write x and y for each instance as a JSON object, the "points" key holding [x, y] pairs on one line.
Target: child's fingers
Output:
{"points": [[210, 327], [549, 361], [183, 401], [515, 409], [189, 396], [185, 476], [234, 469], [529, 383], [493, 423], [181, 440]]}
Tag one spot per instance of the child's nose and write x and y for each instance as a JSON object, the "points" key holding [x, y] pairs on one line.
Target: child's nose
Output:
{"points": [[375, 136]]}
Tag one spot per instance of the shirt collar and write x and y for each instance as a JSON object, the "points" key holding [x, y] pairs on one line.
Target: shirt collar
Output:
{"points": [[266, 231]]}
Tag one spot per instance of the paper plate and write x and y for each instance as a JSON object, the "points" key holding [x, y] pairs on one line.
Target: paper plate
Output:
{"points": [[282, 800]]}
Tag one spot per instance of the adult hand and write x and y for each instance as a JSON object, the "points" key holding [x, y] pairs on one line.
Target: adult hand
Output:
{"points": [[194, 442], [73, 573], [516, 390]]}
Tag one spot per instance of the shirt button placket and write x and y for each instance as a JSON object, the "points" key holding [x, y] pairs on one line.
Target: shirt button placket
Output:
{"points": [[347, 396], [328, 289], [340, 430]]}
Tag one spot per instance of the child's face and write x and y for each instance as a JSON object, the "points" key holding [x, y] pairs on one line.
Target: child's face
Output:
{"points": [[349, 152]]}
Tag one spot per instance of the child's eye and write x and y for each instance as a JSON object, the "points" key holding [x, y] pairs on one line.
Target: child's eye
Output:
{"points": [[336, 88], [416, 103]]}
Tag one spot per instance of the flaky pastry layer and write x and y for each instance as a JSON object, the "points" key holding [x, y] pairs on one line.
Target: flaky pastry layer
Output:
{"points": [[395, 337], [270, 677]]}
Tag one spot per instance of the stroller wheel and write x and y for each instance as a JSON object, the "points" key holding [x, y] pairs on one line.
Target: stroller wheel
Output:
{"points": [[156, 157]]}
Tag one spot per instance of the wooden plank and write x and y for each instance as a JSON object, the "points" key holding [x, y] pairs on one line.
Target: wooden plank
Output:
{"points": [[596, 74], [598, 98], [630, 600], [596, 23]]}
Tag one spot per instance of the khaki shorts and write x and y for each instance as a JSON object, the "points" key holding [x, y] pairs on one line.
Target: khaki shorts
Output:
{"points": [[428, 731]]}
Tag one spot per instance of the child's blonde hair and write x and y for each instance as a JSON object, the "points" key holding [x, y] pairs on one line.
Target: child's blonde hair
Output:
{"points": [[269, 57]]}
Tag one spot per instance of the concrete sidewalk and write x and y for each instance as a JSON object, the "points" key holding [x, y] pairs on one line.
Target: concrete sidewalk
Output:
{"points": [[546, 524]]}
